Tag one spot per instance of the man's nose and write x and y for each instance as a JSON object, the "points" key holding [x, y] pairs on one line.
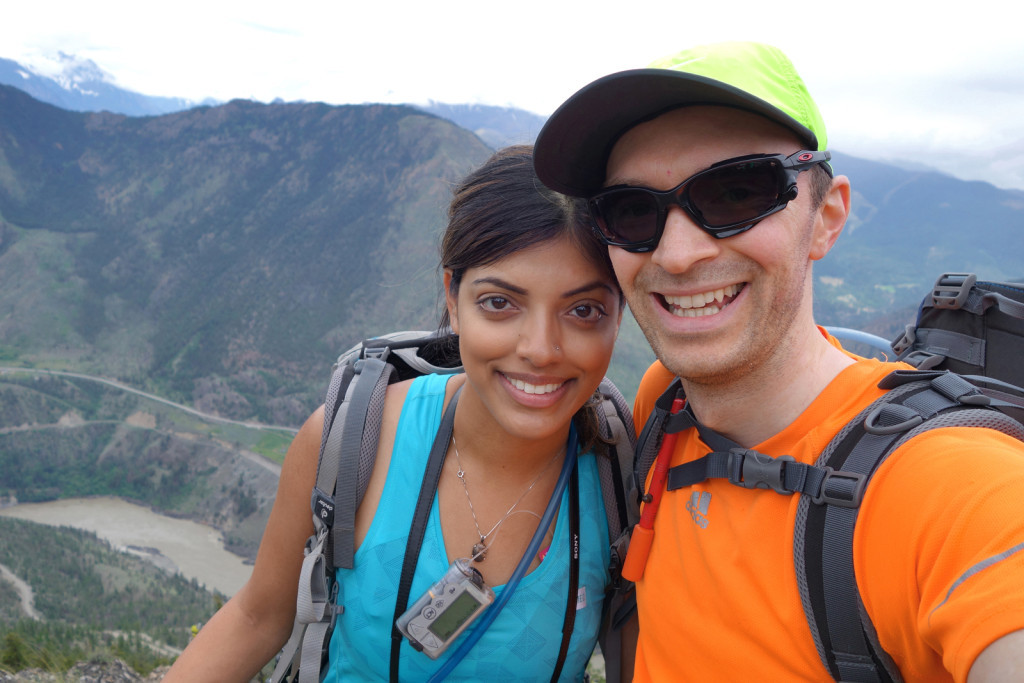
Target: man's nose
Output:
{"points": [[683, 243]]}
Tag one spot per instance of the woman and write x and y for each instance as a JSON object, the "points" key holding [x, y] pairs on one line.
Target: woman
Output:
{"points": [[536, 308]]}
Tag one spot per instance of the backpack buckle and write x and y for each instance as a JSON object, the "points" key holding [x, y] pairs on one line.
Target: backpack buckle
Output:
{"points": [[923, 360], [951, 289], [842, 489], [906, 339], [753, 470]]}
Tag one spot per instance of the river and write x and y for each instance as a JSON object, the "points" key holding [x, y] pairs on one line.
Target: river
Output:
{"points": [[195, 550]]}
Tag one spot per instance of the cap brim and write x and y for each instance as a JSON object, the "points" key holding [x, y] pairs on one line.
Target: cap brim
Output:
{"points": [[572, 148]]}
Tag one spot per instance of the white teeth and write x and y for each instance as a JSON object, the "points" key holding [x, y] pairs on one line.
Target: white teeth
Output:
{"points": [[697, 312], [697, 305], [533, 388]]}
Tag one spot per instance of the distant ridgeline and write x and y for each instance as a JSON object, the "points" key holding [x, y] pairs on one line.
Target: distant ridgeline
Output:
{"points": [[223, 256]]}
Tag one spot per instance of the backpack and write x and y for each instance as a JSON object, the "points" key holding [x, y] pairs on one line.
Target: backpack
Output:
{"points": [[969, 327], [353, 409], [963, 326]]}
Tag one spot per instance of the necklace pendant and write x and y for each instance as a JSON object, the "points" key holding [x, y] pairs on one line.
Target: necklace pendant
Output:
{"points": [[479, 552]]}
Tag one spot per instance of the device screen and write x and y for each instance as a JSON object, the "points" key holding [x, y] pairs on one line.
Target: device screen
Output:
{"points": [[449, 621]]}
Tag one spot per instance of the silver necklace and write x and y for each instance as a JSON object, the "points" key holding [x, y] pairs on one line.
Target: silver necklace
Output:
{"points": [[480, 549]]}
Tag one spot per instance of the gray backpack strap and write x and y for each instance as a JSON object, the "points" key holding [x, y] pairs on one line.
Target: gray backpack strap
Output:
{"points": [[353, 408], [823, 536], [615, 473], [349, 454], [354, 398]]}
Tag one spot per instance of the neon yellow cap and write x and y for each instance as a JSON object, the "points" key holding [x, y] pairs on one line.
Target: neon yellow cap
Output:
{"points": [[572, 149]]}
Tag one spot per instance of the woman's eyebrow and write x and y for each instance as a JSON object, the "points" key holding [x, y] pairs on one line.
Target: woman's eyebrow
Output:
{"points": [[498, 282]]}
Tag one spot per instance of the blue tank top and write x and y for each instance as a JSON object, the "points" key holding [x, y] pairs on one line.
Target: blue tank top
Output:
{"points": [[523, 642]]}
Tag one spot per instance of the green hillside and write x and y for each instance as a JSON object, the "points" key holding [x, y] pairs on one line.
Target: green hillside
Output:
{"points": [[92, 601], [219, 256]]}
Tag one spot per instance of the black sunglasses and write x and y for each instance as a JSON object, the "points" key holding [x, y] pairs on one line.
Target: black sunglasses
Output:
{"points": [[724, 200]]}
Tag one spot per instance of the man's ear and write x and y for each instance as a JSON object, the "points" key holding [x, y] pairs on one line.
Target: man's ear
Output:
{"points": [[831, 217], [451, 301]]}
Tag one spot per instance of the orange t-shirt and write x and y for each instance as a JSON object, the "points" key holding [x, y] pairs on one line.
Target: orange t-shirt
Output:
{"points": [[938, 553]]}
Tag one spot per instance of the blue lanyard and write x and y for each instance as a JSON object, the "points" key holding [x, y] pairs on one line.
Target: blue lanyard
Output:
{"points": [[491, 614]]}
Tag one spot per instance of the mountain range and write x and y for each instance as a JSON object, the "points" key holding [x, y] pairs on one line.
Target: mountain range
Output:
{"points": [[226, 254], [81, 85]]}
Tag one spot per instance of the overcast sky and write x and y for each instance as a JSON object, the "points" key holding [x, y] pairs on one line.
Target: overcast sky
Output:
{"points": [[938, 83]]}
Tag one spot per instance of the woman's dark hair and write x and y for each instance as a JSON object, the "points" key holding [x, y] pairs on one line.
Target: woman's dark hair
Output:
{"points": [[502, 208]]}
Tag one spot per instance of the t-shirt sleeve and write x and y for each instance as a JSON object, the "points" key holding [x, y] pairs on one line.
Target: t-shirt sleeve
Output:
{"points": [[939, 547]]}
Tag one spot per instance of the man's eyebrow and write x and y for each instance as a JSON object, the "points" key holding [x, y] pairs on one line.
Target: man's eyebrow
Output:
{"points": [[590, 286], [617, 182]]}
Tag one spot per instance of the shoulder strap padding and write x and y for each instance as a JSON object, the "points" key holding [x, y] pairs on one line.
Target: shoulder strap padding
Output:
{"points": [[616, 470], [340, 451], [823, 535]]}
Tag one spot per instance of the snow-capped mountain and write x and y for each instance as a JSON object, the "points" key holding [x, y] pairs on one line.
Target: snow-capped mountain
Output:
{"points": [[78, 84]]}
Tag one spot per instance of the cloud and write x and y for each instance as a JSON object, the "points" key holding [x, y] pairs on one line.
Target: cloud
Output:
{"points": [[940, 85]]}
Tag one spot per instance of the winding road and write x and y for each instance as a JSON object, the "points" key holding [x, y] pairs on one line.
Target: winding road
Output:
{"points": [[152, 397]]}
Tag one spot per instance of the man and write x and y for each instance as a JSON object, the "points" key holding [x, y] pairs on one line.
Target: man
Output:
{"points": [[714, 249]]}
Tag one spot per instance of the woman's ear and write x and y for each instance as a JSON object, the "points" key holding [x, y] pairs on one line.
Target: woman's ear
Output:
{"points": [[451, 301]]}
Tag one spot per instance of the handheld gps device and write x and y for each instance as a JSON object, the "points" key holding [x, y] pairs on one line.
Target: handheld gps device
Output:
{"points": [[437, 618]]}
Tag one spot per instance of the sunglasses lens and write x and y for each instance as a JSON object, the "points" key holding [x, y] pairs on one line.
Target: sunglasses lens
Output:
{"points": [[627, 216], [720, 200], [735, 194]]}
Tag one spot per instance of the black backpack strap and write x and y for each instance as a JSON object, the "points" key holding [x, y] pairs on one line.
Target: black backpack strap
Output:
{"points": [[431, 476], [569, 621], [823, 537], [832, 490], [649, 441], [751, 469]]}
